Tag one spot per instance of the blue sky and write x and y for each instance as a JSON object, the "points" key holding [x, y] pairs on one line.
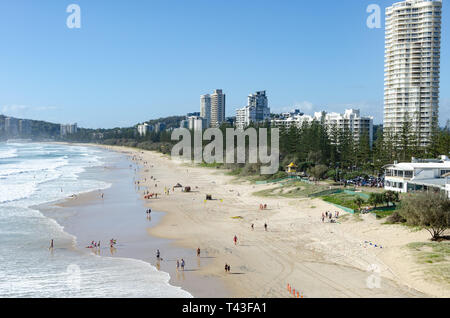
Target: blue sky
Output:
{"points": [[140, 59]]}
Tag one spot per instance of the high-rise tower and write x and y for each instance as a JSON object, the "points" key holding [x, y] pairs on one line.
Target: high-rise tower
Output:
{"points": [[412, 66]]}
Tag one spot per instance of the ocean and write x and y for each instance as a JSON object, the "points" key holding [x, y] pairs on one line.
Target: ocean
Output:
{"points": [[32, 174]]}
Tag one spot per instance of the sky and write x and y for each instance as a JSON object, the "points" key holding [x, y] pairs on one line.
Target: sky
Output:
{"points": [[136, 60]]}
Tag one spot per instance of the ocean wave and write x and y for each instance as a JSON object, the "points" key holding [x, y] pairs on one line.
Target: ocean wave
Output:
{"points": [[9, 153], [14, 192], [32, 166]]}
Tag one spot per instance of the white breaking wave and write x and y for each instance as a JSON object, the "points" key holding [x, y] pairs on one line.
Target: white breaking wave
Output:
{"points": [[32, 174], [9, 153]]}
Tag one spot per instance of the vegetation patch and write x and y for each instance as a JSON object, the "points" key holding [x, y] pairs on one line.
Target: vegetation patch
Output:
{"points": [[436, 257], [343, 199]]}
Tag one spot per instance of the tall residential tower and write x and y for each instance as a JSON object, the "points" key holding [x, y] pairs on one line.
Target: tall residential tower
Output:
{"points": [[412, 66], [205, 108], [217, 108]]}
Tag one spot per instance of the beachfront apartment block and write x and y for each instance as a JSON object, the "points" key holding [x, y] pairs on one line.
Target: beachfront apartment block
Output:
{"points": [[256, 111], [419, 175], [350, 120], [14, 127], [144, 129], [68, 129], [205, 108], [196, 123], [289, 119], [218, 101], [412, 66]]}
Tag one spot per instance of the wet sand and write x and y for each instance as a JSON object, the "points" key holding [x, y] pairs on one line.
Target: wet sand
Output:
{"points": [[121, 214]]}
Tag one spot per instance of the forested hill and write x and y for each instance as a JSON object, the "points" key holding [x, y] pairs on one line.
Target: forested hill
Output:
{"points": [[28, 129]]}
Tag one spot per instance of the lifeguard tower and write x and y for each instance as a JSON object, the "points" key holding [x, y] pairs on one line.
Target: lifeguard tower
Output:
{"points": [[292, 169]]}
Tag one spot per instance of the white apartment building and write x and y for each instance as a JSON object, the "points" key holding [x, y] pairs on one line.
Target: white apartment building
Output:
{"points": [[351, 120], [292, 119], [419, 175], [205, 108], [256, 111], [194, 123], [144, 129], [217, 108], [412, 66], [68, 129]]}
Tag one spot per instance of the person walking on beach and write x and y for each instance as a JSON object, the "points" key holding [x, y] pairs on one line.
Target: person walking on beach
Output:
{"points": [[229, 268], [178, 265], [253, 226], [226, 268], [182, 264], [51, 245], [198, 252], [265, 226], [235, 240], [158, 254]]}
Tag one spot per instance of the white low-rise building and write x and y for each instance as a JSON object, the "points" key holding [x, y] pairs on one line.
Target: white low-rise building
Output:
{"points": [[351, 120], [296, 120], [144, 129], [418, 175]]}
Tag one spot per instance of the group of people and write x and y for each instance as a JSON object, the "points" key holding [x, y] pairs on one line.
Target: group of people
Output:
{"points": [[94, 245], [151, 195], [181, 264], [263, 206], [227, 268], [328, 215], [112, 242]]}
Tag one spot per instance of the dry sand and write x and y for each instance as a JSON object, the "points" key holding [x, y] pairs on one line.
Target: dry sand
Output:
{"points": [[319, 260]]}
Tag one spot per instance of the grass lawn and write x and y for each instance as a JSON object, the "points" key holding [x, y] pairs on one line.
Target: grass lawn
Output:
{"points": [[344, 199], [436, 257], [293, 189]]}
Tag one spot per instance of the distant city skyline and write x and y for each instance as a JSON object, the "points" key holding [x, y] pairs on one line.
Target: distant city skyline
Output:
{"points": [[131, 62]]}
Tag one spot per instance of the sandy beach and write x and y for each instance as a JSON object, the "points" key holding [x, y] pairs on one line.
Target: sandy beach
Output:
{"points": [[316, 259], [119, 212]]}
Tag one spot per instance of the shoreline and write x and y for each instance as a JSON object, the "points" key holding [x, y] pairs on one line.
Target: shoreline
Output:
{"points": [[322, 260], [88, 217]]}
